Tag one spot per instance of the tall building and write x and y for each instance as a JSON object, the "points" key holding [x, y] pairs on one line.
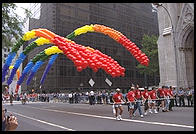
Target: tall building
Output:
{"points": [[131, 19], [176, 44]]}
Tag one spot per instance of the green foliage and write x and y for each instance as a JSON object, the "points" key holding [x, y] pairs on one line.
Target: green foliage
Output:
{"points": [[12, 24], [149, 47]]}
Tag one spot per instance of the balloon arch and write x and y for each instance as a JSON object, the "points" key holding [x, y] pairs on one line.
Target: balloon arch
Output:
{"points": [[81, 56]]}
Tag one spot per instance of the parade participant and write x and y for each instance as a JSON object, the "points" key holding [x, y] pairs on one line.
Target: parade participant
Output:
{"points": [[161, 97], [167, 98], [171, 104], [153, 97], [131, 101], [118, 99], [146, 97], [138, 97]]}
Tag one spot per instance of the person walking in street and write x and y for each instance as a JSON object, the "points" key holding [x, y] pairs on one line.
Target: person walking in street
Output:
{"points": [[138, 97], [153, 99], [167, 98], [171, 104], [118, 99], [131, 101], [92, 98], [70, 98], [161, 96], [181, 97], [146, 98]]}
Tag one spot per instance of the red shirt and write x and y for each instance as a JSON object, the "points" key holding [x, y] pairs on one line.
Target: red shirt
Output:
{"points": [[137, 94], [117, 97], [171, 92], [153, 94], [145, 94], [130, 96], [166, 91], [161, 91]]}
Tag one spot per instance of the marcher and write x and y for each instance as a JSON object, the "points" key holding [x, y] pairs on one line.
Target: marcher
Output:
{"points": [[92, 98], [171, 104], [153, 97], [118, 99], [70, 98], [131, 101], [181, 97], [138, 97], [161, 96], [146, 98], [167, 98]]}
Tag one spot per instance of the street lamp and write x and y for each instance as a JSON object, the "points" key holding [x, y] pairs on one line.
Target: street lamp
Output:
{"points": [[172, 28]]}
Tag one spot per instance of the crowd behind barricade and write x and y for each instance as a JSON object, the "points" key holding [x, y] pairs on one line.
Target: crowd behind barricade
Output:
{"points": [[183, 97]]}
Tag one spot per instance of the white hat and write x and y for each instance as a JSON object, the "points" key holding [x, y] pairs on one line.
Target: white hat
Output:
{"points": [[118, 89]]}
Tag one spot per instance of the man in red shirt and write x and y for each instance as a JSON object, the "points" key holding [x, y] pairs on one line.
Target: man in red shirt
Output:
{"points": [[171, 104], [138, 97], [146, 97], [131, 101], [153, 97], [118, 99], [167, 98], [161, 97]]}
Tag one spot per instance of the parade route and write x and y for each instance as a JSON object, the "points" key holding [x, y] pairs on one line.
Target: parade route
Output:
{"points": [[83, 117]]}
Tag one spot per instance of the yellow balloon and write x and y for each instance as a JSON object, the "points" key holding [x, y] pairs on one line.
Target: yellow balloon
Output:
{"points": [[11, 67], [41, 41], [84, 29], [29, 35], [52, 50]]}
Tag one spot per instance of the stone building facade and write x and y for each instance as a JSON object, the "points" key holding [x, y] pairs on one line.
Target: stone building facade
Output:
{"points": [[176, 44]]}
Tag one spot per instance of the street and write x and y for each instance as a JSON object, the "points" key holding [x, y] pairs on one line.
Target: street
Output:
{"points": [[41, 116]]}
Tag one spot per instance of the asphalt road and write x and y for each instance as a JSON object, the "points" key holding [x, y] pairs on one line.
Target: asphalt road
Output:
{"points": [[84, 117]]}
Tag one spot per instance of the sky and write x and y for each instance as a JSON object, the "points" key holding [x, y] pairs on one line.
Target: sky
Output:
{"points": [[21, 12]]}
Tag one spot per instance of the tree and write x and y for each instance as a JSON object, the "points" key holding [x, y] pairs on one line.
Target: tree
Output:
{"points": [[12, 24], [149, 47]]}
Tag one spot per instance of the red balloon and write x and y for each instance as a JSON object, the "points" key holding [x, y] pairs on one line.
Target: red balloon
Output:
{"points": [[95, 69], [79, 68]]}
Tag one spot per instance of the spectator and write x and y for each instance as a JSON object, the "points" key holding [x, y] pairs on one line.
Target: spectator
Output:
{"points": [[103, 97], [99, 97], [11, 98], [175, 93], [189, 97], [181, 97], [9, 123]]}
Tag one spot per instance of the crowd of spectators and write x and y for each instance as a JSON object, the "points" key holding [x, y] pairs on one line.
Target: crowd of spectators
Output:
{"points": [[183, 97]]}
